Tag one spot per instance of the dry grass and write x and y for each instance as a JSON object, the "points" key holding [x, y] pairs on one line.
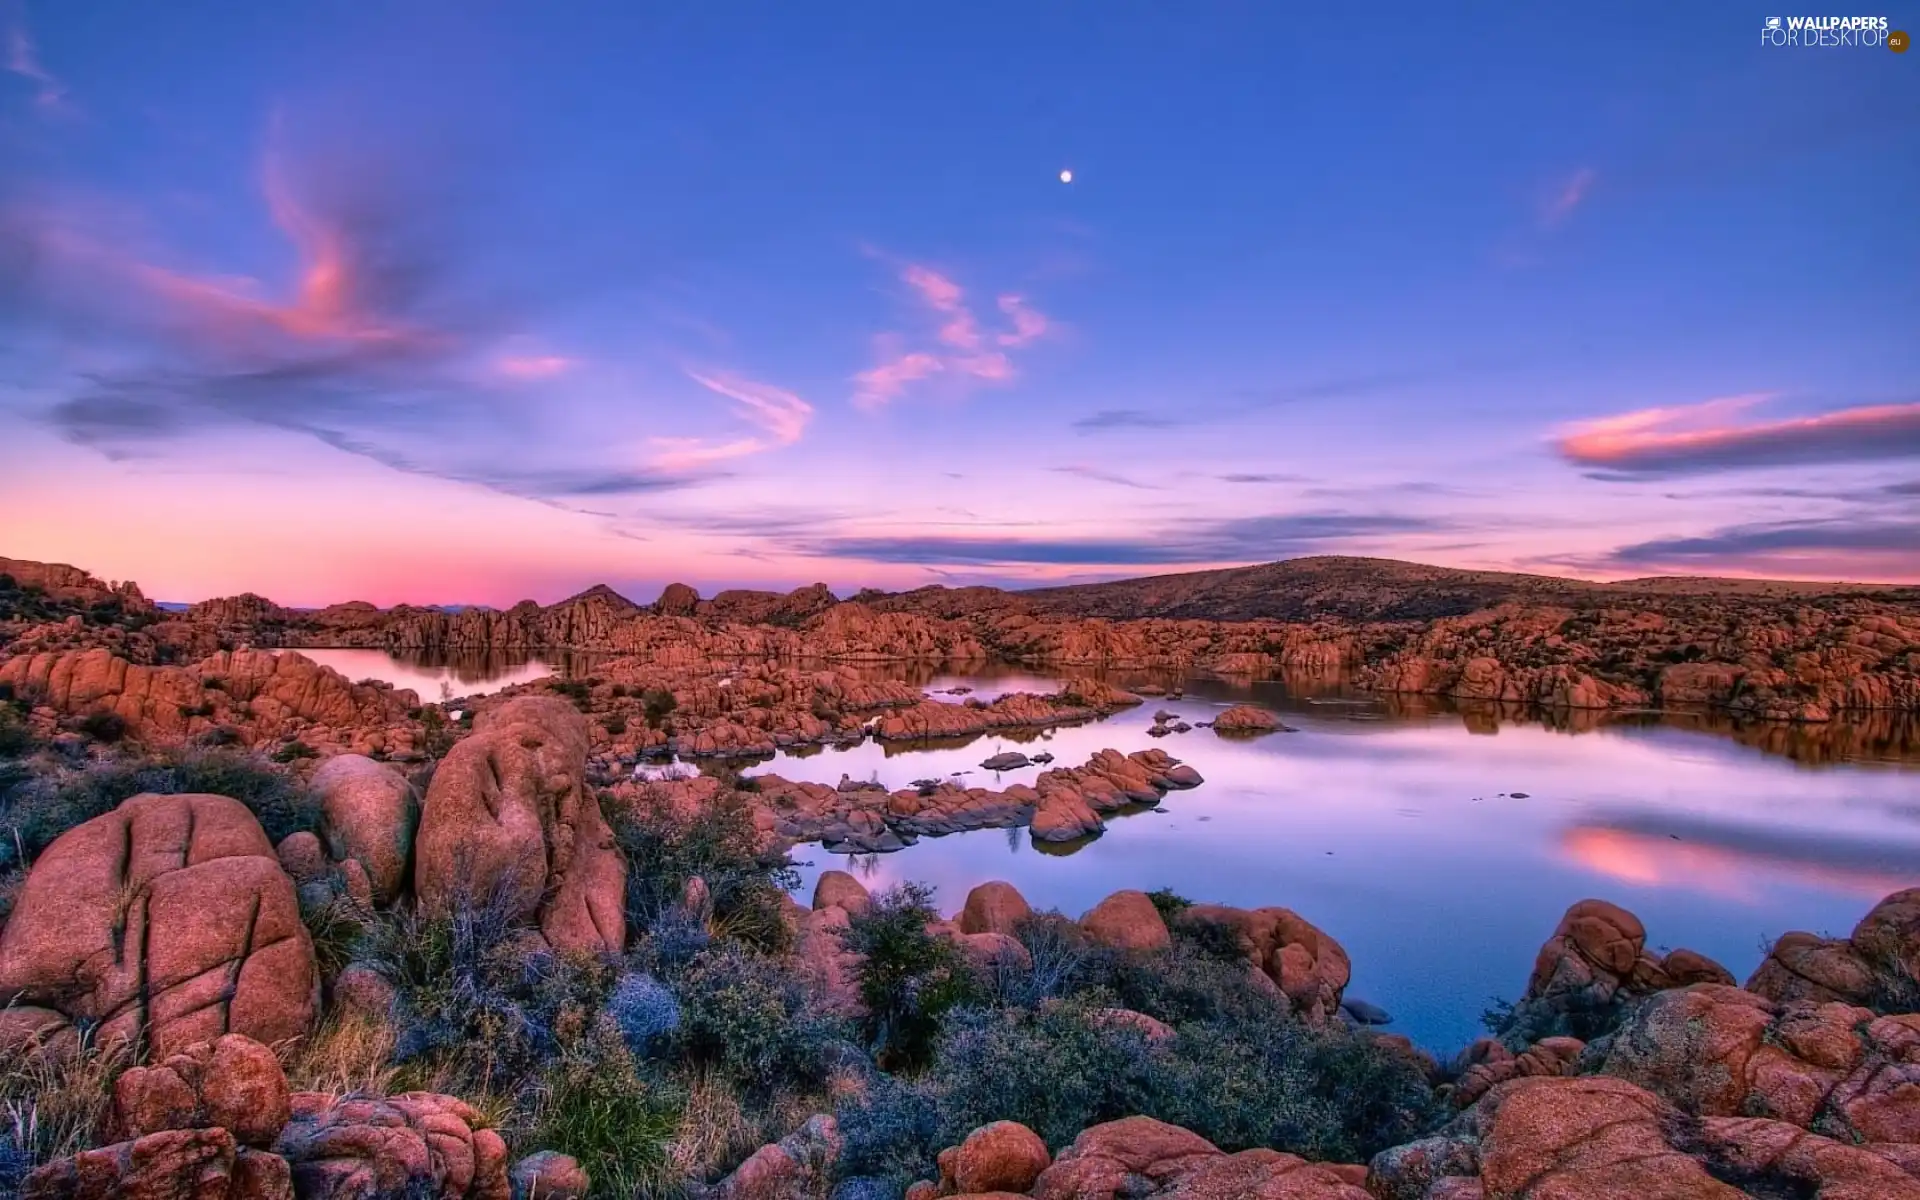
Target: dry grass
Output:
{"points": [[717, 1131], [347, 1054], [54, 1104]]}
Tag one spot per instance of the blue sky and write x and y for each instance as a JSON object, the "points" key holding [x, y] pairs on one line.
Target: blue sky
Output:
{"points": [[449, 302]]}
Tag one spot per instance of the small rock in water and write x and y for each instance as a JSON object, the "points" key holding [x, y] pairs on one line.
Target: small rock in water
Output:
{"points": [[1007, 760], [1158, 731], [1043, 757], [1519, 795]]}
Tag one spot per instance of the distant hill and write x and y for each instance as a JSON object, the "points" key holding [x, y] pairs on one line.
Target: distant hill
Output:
{"points": [[1348, 588]]}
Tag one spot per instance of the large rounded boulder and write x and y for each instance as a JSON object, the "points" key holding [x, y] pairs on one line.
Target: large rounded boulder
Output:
{"points": [[509, 819], [168, 918], [368, 813]]}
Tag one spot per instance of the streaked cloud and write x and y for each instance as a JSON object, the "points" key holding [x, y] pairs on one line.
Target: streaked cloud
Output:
{"points": [[1567, 196], [1102, 476], [379, 343], [1238, 540], [1253, 401], [23, 59], [1709, 437], [962, 351], [1780, 537], [1123, 418], [534, 367], [781, 416]]}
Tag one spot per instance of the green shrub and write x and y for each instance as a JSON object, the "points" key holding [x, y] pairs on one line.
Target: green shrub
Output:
{"points": [[479, 1009], [104, 726], [41, 804], [908, 977], [658, 703], [293, 750], [720, 845], [750, 1016], [15, 739], [615, 725], [1056, 1070], [1328, 1095], [1170, 903], [595, 1105]]}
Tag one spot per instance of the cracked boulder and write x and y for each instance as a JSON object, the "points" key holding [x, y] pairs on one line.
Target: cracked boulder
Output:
{"points": [[169, 917], [509, 817], [1719, 1051]]}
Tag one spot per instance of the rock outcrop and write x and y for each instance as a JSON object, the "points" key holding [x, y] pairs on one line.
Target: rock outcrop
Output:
{"points": [[1287, 952], [1137, 1158], [168, 918], [1595, 961], [1878, 962], [215, 1121], [509, 819], [260, 697], [1720, 1051], [418, 1144], [1598, 1138]]}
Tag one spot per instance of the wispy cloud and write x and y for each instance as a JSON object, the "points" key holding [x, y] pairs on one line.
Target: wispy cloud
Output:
{"points": [[962, 349], [383, 344], [1123, 418], [23, 59], [781, 416], [1567, 196], [1708, 437], [1256, 400], [1100, 476], [1239, 540], [1742, 541], [1261, 477], [534, 366]]}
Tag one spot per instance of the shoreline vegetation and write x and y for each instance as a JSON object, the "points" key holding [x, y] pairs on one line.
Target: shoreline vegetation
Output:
{"points": [[268, 933]]}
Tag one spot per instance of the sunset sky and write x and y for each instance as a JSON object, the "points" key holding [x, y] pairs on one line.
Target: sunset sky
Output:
{"points": [[456, 302]]}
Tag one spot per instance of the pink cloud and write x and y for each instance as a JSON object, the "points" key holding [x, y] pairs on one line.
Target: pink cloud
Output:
{"points": [[537, 366], [1028, 324], [1569, 196], [962, 348], [332, 298], [781, 415], [1706, 437], [885, 380]]}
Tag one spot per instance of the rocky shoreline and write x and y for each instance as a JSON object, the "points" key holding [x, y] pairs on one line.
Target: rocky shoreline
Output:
{"points": [[1807, 655]]}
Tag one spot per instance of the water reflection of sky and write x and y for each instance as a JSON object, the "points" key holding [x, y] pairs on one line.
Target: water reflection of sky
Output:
{"points": [[434, 677], [1404, 839], [1401, 834]]}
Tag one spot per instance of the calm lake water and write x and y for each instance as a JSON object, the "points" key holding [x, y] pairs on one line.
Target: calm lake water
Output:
{"points": [[434, 677], [1439, 847]]}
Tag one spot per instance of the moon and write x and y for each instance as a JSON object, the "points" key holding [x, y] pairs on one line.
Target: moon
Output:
{"points": [[1066, 177]]}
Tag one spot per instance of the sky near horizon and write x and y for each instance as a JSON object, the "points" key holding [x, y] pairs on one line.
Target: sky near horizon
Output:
{"points": [[442, 302]]}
